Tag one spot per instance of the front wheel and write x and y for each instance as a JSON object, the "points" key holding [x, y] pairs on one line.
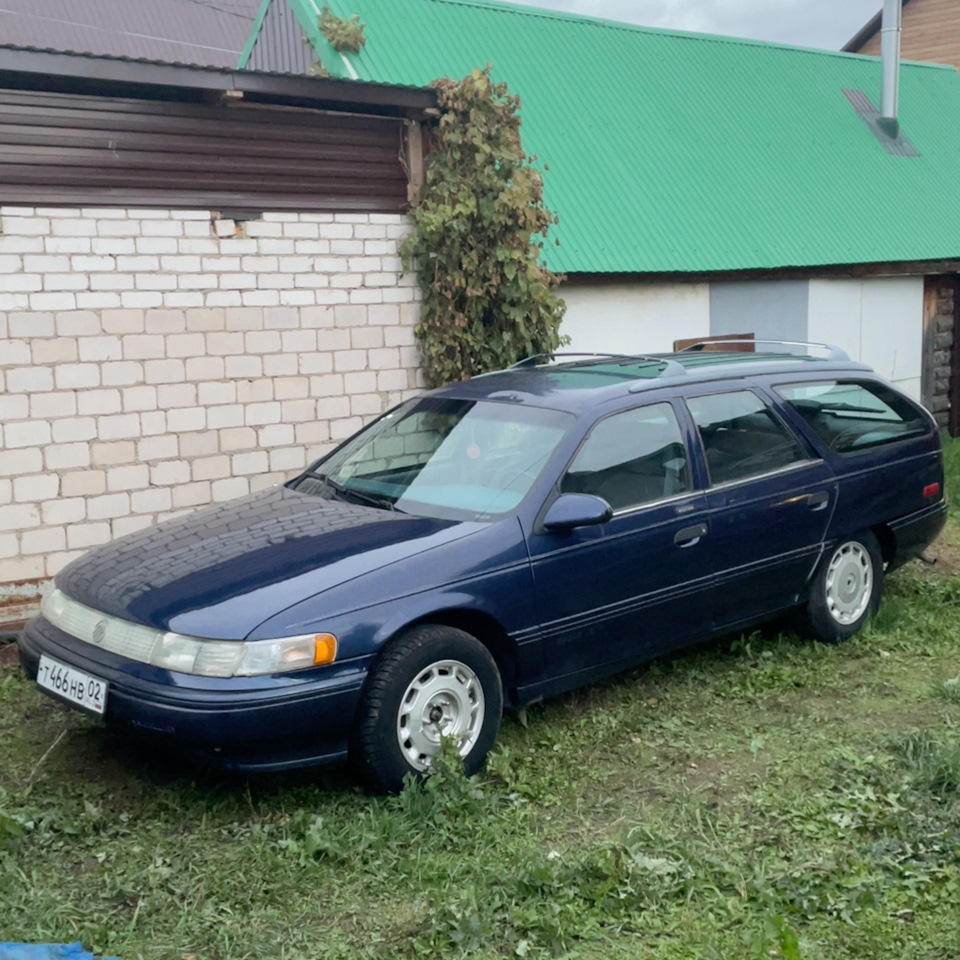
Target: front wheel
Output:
{"points": [[433, 682], [846, 588]]}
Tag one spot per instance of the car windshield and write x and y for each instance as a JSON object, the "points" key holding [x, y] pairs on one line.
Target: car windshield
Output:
{"points": [[452, 459]]}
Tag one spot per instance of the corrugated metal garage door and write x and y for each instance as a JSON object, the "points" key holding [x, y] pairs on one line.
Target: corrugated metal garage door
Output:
{"points": [[98, 151]]}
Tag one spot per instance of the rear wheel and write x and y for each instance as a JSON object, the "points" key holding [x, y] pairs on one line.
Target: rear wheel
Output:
{"points": [[846, 588], [433, 682]]}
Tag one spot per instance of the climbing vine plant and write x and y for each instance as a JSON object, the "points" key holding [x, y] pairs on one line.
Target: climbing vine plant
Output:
{"points": [[345, 36], [481, 224]]}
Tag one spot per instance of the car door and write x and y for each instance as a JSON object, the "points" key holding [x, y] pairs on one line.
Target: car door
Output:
{"points": [[882, 448], [770, 501], [637, 585]]}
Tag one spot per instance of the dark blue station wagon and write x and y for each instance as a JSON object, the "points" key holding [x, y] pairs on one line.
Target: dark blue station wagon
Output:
{"points": [[492, 543]]}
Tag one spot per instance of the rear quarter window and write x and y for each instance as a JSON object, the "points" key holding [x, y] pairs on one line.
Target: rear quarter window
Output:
{"points": [[850, 416]]}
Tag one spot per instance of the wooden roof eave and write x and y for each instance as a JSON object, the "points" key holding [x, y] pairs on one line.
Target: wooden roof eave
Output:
{"points": [[919, 268], [857, 42], [29, 68]]}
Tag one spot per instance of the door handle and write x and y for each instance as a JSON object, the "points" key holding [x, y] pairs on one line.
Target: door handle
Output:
{"points": [[818, 501], [690, 536]]}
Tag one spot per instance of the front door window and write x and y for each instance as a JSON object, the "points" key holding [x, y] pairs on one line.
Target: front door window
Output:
{"points": [[631, 458]]}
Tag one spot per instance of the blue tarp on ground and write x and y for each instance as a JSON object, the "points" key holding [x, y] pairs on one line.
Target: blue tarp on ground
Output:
{"points": [[45, 951]]}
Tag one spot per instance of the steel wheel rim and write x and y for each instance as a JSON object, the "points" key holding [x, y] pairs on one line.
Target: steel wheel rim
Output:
{"points": [[444, 700], [849, 583]]}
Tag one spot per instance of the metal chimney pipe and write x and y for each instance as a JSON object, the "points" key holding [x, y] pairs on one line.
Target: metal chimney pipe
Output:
{"points": [[890, 46]]}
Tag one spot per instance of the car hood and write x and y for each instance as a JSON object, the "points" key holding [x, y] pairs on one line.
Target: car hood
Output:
{"points": [[223, 570]]}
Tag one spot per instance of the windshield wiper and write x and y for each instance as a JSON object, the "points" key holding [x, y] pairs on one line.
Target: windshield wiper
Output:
{"points": [[850, 408], [349, 493], [373, 499]]}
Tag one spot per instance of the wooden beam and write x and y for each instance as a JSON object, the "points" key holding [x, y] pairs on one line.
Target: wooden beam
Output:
{"points": [[931, 297], [919, 268], [954, 417], [414, 159]]}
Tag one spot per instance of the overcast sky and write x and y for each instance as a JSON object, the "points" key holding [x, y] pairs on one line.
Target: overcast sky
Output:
{"points": [[805, 23]]}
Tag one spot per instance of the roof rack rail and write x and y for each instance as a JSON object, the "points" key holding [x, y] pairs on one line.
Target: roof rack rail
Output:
{"points": [[670, 367], [833, 352], [539, 358]]}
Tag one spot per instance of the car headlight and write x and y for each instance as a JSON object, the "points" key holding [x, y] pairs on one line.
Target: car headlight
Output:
{"points": [[174, 651]]}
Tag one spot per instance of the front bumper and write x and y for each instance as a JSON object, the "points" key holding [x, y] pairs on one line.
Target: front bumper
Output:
{"points": [[242, 723]]}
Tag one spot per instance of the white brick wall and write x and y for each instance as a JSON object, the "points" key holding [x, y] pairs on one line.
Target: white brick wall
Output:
{"points": [[152, 361]]}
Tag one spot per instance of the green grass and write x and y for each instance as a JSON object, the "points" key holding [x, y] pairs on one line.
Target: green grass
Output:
{"points": [[758, 797]]}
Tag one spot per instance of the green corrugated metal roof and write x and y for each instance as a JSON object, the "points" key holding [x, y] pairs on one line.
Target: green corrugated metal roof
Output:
{"points": [[673, 152], [308, 14]]}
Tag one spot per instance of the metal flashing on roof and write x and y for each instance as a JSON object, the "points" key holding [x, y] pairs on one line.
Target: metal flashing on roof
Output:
{"points": [[34, 68], [279, 42], [262, 11], [272, 41], [888, 133]]}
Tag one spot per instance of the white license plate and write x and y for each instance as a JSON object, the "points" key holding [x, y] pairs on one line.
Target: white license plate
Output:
{"points": [[74, 685]]}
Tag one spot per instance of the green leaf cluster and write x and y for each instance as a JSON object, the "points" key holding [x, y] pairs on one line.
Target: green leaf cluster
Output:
{"points": [[481, 222], [345, 36]]}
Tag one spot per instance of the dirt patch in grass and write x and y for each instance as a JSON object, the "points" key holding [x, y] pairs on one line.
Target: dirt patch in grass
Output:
{"points": [[723, 779], [8, 654], [941, 559]]}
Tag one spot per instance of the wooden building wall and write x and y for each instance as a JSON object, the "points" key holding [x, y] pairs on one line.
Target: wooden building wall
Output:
{"points": [[931, 31], [60, 149]]}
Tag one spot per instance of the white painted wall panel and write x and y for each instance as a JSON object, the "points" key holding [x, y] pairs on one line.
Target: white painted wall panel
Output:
{"points": [[769, 309], [634, 318], [891, 331], [877, 320], [835, 307]]}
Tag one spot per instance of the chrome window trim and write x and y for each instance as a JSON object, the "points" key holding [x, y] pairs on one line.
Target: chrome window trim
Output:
{"points": [[799, 464], [796, 465], [649, 504]]}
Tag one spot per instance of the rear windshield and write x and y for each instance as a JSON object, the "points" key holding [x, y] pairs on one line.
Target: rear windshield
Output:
{"points": [[853, 415]]}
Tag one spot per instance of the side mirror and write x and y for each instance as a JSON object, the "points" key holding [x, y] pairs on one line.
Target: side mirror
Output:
{"points": [[572, 510]]}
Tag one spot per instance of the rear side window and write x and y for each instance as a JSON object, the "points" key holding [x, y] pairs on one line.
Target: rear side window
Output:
{"points": [[854, 415], [741, 436], [631, 458]]}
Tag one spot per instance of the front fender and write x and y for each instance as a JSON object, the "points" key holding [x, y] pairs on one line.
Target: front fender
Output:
{"points": [[504, 596], [487, 574]]}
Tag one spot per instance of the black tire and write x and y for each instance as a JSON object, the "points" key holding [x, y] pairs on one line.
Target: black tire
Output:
{"points": [[432, 671], [846, 589]]}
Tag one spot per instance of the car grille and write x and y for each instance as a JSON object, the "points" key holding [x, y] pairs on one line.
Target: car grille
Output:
{"points": [[122, 637]]}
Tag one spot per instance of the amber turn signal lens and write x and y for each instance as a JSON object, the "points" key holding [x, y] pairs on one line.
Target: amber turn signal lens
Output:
{"points": [[324, 649]]}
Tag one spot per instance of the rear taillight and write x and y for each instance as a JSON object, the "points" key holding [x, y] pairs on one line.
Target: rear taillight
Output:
{"points": [[931, 490]]}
